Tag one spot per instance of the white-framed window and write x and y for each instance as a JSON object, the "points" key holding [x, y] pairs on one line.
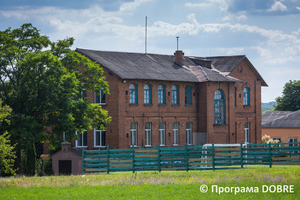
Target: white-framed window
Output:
{"points": [[189, 133], [292, 140], [175, 95], [175, 133], [81, 139], [147, 94], [82, 94], [162, 133], [99, 97], [147, 134], [246, 96], [246, 130], [99, 137], [133, 133], [133, 93]]}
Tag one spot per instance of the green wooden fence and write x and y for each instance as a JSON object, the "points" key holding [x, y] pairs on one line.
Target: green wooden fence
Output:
{"points": [[189, 157]]}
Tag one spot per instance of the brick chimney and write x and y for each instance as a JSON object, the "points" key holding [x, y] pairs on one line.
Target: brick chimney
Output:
{"points": [[65, 146], [179, 57]]}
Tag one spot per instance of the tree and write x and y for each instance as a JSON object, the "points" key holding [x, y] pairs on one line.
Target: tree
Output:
{"points": [[7, 153], [39, 81], [290, 100]]}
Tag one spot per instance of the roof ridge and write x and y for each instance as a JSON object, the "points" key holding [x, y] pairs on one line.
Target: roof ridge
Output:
{"points": [[281, 116]]}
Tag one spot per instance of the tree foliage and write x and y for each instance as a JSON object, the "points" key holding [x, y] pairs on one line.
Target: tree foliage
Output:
{"points": [[39, 81], [7, 153], [290, 100]]}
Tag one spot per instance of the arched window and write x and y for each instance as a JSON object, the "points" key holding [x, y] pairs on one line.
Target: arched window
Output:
{"points": [[133, 93], [188, 95], [147, 94], [174, 94], [161, 94], [219, 106], [246, 96]]}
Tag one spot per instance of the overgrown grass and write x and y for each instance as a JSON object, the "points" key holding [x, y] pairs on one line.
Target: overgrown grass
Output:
{"points": [[153, 185]]}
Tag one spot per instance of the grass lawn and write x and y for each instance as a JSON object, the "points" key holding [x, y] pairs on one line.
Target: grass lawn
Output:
{"points": [[154, 185]]}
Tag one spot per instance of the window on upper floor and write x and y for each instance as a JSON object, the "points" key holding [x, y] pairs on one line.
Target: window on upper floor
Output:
{"points": [[99, 97], [188, 95], [133, 93], [175, 95], [219, 107], [147, 94], [246, 96], [161, 94]]}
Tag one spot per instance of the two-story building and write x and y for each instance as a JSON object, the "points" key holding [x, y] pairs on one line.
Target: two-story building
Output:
{"points": [[175, 100]]}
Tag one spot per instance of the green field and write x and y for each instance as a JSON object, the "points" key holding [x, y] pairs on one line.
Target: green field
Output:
{"points": [[154, 185]]}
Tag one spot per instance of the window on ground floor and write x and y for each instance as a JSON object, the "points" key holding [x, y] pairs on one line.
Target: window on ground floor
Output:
{"points": [[81, 139], [162, 133]]}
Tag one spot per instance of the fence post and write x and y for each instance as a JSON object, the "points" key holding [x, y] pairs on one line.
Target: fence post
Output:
{"points": [[158, 153], [213, 156], [107, 158], [242, 156], [82, 161], [270, 155], [132, 158], [187, 157]]}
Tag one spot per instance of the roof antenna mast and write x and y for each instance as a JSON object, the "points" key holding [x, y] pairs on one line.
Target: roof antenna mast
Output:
{"points": [[146, 35], [177, 42]]}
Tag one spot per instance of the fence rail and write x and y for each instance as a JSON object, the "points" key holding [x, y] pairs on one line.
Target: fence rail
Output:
{"points": [[189, 157]]}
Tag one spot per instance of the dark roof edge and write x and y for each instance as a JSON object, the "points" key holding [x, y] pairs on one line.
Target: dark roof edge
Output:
{"points": [[280, 118], [255, 70], [79, 51]]}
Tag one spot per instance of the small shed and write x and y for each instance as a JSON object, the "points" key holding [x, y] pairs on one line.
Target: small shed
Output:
{"points": [[67, 161]]}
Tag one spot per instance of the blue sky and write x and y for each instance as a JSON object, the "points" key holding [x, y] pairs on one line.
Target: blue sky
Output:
{"points": [[266, 31]]}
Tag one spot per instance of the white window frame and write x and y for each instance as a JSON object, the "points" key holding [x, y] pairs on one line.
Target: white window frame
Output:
{"points": [[189, 138], [162, 135], [293, 145], [100, 137], [133, 134], [100, 91], [175, 134], [148, 135], [81, 139], [247, 132]]}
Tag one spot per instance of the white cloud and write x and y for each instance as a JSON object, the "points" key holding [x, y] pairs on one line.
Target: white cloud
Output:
{"points": [[132, 5], [242, 17], [279, 61], [199, 5], [298, 8], [227, 18], [235, 51], [278, 6], [265, 53]]}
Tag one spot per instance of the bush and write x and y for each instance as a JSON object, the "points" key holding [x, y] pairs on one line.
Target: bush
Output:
{"points": [[48, 168]]}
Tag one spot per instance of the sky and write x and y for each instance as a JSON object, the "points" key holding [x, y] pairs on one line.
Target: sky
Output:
{"points": [[266, 31]]}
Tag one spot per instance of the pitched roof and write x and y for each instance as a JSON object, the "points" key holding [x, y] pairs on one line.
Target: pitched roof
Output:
{"points": [[291, 120], [271, 115], [162, 67]]}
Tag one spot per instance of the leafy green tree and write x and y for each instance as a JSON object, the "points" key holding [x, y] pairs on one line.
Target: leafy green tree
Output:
{"points": [[7, 153], [39, 81], [290, 100]]}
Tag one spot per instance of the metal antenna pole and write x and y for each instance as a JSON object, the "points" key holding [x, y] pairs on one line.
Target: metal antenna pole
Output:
{"points": [[177, 42], [146, 36]]}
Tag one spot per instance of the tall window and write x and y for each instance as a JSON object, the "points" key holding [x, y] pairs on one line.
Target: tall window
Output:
{"points": [[99, 97], [174, 94], [147, 94], [188, 95], [292, 140], [189, 133], [133, 93], [175, 133], [99, 137], [81, 139], [246, 96], [161, 94], [219, 107], [82, 94], [147, 134], [235, 96], [162, 133], [133, 133], [246, 130]]}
